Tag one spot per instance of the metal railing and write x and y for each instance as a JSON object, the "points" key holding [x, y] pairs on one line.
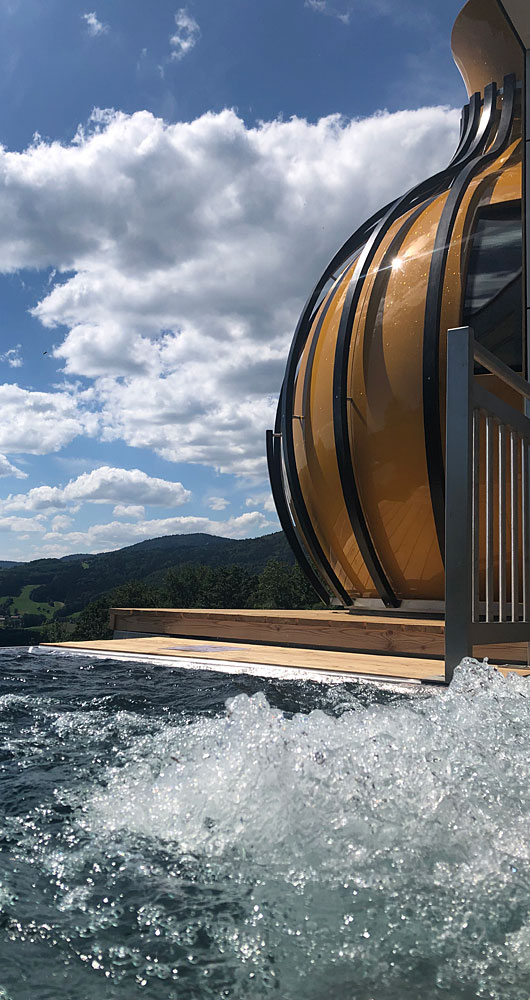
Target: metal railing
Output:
{"points": [[487, 558]]}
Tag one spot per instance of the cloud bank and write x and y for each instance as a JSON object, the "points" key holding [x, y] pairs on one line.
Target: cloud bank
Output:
{"points": [[183, 254], [128, 487]]}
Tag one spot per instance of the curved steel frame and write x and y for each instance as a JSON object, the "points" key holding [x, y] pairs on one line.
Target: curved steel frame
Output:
{"points": [[419, 193], [433, 305], [275, 475], [476, 129], [285, 408]]}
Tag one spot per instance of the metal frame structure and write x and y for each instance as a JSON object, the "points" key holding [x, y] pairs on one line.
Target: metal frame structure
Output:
{"points": [[473, 413], [526, 223], [474, 160], [481, 484], [516, 14], [477, 131], [487, 513]]}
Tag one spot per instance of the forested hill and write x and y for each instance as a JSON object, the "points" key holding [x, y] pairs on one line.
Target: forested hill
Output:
{"points": [[76, 580]]}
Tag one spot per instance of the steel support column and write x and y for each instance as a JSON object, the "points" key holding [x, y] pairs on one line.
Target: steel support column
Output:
{"points": [[525, 212], [458, 504]]}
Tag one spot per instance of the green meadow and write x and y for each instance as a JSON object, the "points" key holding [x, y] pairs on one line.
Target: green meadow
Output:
{"points": [[23, 604]]}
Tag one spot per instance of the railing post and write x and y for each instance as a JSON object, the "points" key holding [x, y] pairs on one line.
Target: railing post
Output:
{"points": [[458, 498]]}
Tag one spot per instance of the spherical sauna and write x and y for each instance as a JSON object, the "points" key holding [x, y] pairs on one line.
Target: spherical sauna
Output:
{"points": [[356, 458]]}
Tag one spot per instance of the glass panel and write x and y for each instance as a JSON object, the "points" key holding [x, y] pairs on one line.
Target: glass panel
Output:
{"points": [[493, 293]]}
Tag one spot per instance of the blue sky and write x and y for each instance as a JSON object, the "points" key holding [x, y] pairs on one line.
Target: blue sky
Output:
{"points": [[172, 181]]}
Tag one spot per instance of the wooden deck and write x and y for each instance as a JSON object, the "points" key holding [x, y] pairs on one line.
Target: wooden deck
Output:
{"points": [[386, 634], [324, 643], [318, 660]]}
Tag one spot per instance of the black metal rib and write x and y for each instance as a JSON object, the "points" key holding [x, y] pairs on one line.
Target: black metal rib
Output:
{"points": [[314, 342], [315, 552], [470, 132], [306, 526], [433, 307], [311, 356], [487, 120], [464, 125], [464, 118], [285, 409], [342, 442], [274, 459]]}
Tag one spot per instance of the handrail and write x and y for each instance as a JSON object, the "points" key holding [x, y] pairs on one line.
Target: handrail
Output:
{"points": [[498, 368], [487, 505]]}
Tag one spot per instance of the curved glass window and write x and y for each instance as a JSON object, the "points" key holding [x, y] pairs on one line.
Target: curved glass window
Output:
{"points": [[493, 292]]}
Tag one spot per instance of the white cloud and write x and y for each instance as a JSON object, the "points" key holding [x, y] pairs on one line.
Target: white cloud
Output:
{"points": [[218, 503], [184, 253], [61, 522], [404, 12], [12, 357], [103, 485], [186, 35], [262, 500], [25, 524], [129, 510], [323, 7], [40, 422], [105, 537], [94, 25], [7, 469]]}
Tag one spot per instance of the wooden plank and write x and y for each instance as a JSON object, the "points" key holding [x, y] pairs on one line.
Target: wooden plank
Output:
{"points": [[307, 659], [329, 614], [383, 667], [354, 632], [372, 633]]}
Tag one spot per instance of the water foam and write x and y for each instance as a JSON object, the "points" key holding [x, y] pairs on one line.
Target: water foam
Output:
{"points": [[367, 850], [388, 842]]}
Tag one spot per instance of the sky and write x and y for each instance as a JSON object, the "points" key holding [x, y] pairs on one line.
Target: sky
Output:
{"points": [[173, 180]]}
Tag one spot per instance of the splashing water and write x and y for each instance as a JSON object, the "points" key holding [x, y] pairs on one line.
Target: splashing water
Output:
{"points": [[192, 836]]}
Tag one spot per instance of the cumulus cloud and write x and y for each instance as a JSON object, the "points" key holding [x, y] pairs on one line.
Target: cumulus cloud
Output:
{"points": [[12, 357], [94, 25], [61, 522], [184, 253], [262, 500], [186, 35], [218, 503], [24, 524], [115, 534], [41, 422], [7, 469], [103, 485], [126, 510]]}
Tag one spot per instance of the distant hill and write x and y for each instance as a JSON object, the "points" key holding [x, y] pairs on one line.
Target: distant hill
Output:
{"points": [[77, 580], [7, 563]]}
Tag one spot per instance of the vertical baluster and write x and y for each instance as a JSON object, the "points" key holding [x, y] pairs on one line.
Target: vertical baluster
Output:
{"points": [[489, 518], [475, 531], [525, 529], [514, 514], [502, 524]]}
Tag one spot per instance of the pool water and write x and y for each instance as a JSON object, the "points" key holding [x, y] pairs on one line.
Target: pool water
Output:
{"points": [[191, 835]]}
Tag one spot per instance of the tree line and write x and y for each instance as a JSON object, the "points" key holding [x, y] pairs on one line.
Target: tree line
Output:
{"points": [[279, 585]]}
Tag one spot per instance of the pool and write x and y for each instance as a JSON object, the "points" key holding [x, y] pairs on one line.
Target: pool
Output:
{"points": [[194, 835]]}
